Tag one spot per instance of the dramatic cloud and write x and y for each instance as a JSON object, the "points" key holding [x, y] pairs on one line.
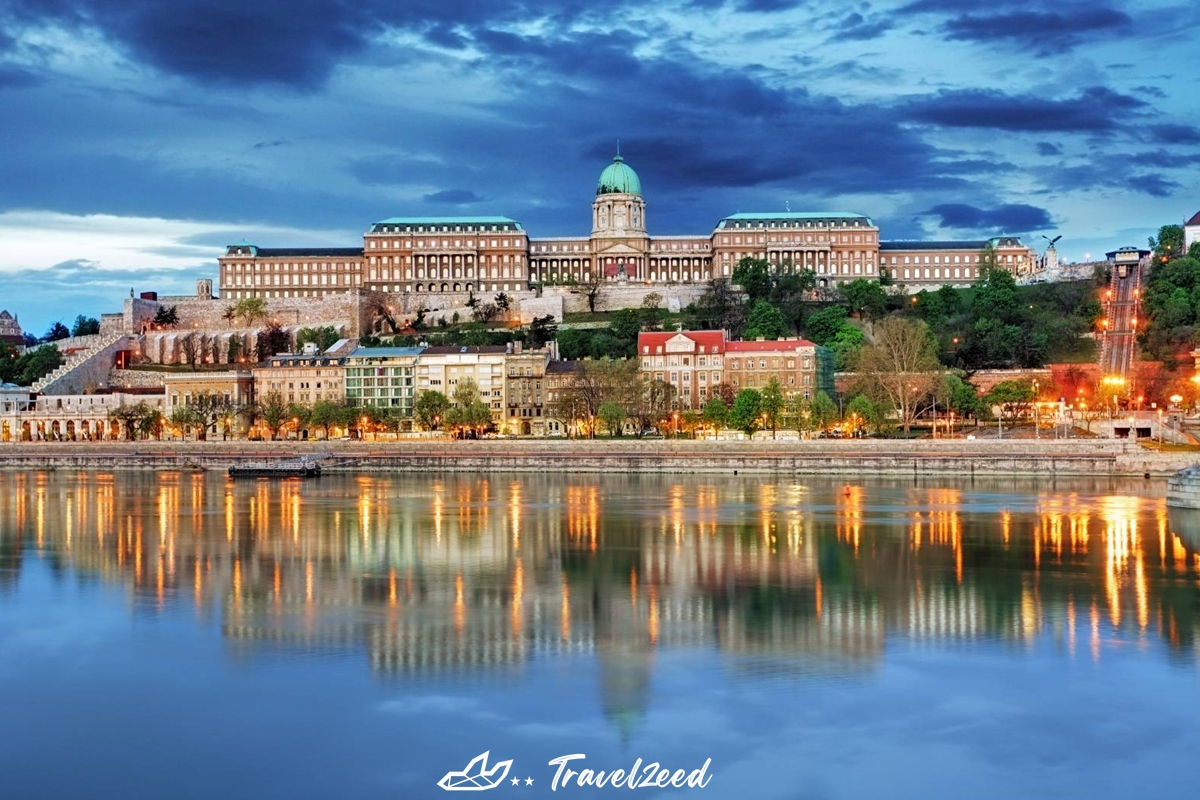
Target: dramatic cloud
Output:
{"points": [[327, 115], [1174, 134], [856, 27], [1046, 32], [1013, 218], [1096, 110]]}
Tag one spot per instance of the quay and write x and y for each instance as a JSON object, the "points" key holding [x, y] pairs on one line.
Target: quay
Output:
{"points": [[963, 458]]}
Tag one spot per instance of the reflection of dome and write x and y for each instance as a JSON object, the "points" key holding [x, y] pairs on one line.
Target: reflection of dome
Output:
{"points": [[625, 686], [618, 178]]}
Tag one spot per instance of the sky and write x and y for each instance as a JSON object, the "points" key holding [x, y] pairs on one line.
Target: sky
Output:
{"points": [[140, 137]]}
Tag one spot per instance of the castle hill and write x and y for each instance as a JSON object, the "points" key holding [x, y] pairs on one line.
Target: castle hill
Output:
{"points": [[740, 400], [777, 335]]}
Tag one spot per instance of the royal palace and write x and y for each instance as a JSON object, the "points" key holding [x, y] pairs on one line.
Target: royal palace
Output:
{"points": [[445, 255]]}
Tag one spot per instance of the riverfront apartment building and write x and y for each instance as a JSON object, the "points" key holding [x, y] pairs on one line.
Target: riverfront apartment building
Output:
{"points": [[385, 377], [491, 254], [304, 379], [696, 362], [800, 366]]}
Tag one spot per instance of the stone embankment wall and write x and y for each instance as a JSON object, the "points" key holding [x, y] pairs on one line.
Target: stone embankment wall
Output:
{"points": [[208, 315], [854, 460], [135, 379]]}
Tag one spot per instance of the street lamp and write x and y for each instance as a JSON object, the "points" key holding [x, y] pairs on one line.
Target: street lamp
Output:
{"points": [[1160, 430]]}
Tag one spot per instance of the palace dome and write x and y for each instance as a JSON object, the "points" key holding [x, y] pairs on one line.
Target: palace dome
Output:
{"points": [[618, 178]]}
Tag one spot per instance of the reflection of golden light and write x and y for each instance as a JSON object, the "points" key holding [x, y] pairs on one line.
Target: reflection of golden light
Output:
{"points": [[308, 582], [1120, 539], [633, 587], [518, 602], [1006, 526], [514, 512], [392, 599], [1095, 617], [159, 583], [1141, 591], [850, 515], [675, 506], [565, 612], [460, 606], [237, 582]]}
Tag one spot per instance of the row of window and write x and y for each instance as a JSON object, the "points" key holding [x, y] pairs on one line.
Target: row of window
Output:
{"points": [[409, 244]]}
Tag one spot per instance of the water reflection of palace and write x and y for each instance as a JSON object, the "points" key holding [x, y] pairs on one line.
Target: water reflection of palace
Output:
{"points": [[441, 574]]}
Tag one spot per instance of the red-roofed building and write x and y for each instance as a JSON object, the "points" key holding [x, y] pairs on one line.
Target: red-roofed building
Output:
{"points": [[695, 362], [691, 361]]}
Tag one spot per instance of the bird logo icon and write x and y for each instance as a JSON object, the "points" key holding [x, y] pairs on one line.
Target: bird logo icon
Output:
{"points": [[476, 777]]}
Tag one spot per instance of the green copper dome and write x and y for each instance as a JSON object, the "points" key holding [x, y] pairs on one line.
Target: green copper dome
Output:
{"points": [[618, 178]]}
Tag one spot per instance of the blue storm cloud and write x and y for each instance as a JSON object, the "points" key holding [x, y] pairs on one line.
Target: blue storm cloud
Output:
{"points": [[331, 114]]}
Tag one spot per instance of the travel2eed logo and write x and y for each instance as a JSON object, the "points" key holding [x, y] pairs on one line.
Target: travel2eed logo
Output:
{"points": [[479, 777]]}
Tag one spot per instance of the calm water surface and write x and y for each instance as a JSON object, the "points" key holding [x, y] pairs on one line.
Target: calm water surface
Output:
{"points": [[181, 636]]}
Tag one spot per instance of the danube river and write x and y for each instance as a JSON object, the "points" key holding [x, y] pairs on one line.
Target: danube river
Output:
{"points": [[178, 635]]}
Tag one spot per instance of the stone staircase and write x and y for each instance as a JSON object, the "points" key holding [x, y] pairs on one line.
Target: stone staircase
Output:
{"points": [[80, 369]]}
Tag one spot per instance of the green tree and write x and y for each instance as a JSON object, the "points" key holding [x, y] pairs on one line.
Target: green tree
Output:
{"points": [[29, 367], [652, 313], [324, 337], [430, 409], [85, 326], [468, 410], [771, 403], [719, 308], [1013, 398], [166, 316], [715, 413], [822, 411], [326, 413], [250, 309], [824, 325], [1168, 244], [900, 365], [866, 298], [56, 332], [613, 416], [846, 346], [754, 276], [626, 324], [187, 419], [765, 321], [745, 414], [139, 418], [862, 413], [273, 412], [541, 331]]}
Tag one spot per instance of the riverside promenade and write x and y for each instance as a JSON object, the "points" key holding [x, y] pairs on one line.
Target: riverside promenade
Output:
{"points": [[960, 457]]}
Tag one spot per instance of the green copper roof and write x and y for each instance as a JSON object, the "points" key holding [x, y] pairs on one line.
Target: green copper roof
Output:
{"points": [[618, 178], [791, 216], [437, 223]]}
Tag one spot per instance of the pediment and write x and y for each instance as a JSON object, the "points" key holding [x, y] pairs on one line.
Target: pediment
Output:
{"points": [[620, 249]]}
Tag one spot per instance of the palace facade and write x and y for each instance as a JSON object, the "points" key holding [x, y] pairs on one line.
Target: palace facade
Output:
{"points": [[444, 255]]}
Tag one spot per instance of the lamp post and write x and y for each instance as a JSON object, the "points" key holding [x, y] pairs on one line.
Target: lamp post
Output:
{"points": [[1160, 430]]}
